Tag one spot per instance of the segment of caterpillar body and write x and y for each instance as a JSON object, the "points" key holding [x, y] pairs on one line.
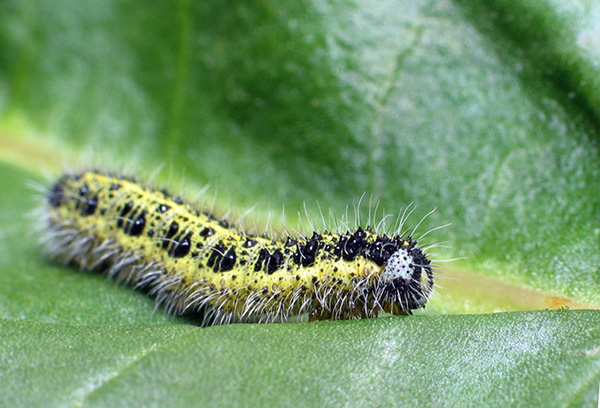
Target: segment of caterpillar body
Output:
{"points": [[193, 262]]}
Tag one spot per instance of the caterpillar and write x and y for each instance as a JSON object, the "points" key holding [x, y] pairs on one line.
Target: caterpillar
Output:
{"points": [[193, 262]]}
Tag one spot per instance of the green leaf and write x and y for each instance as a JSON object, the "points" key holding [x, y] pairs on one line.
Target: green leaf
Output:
{"points": [[529, 358], [488, 111]]}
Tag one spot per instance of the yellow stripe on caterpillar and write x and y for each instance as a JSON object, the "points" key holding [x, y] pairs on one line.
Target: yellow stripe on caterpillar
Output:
{"points": [[194, 263]]}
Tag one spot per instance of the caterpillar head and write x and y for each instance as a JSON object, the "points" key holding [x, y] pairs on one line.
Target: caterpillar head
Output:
{"points": [[406, 280]]}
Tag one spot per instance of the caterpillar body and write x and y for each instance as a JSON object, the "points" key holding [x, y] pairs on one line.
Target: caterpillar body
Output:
{"points": [[192, 262]]}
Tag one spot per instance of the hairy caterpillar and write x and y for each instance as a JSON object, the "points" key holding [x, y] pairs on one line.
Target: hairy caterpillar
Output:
{"points": [[193, 262]]}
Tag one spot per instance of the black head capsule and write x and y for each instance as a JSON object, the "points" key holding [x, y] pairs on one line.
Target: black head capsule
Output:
{"points": [[406, 280]]}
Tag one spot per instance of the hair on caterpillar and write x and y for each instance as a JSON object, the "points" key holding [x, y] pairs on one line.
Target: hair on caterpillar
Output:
{"points": [[193, 261]]}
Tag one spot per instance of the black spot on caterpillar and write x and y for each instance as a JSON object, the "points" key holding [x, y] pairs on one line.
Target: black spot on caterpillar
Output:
{"points": [[194, 263]]}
